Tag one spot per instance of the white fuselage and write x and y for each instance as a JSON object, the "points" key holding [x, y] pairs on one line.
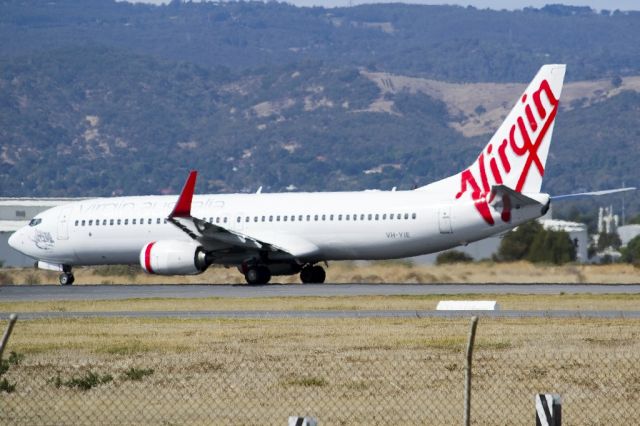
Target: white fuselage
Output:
{"points": [[342, 225]]}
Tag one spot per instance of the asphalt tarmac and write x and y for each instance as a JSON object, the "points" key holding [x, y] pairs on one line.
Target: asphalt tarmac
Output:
{"points": [[11, 293]]}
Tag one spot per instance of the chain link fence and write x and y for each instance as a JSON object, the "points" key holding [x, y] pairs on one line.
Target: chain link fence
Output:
{"points": [[376, 383]]}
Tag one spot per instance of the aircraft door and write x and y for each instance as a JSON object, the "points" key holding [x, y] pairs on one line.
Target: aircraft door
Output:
{"points": [[444, 220], [63, 224]]}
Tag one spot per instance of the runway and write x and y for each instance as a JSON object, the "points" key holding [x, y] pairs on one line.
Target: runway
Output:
{"points": [[14, 293]]}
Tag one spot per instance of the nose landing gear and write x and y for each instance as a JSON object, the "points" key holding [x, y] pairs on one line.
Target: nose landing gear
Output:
{"points": [[66, 277]]}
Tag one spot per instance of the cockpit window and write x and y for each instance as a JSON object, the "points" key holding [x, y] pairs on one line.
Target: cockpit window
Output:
{"points": [[35, 221]]}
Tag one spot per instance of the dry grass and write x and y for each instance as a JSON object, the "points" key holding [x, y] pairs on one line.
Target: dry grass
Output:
{"points": [[383, 370], [349, 272]]}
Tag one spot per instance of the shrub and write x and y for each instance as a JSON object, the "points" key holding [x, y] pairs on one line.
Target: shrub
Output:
{"points": [[453, 256], [5, 278], [32, 278], [137, 374], [86, 382]]}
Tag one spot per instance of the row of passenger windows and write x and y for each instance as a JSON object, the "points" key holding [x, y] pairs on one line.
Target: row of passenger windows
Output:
{"points": [[270, 218], [324, 217], [111, 222]]}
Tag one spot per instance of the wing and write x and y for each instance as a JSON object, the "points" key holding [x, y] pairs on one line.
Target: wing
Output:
{"points": [[217, 238], [591, 194]]}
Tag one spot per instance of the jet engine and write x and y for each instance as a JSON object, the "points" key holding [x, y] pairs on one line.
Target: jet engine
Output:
{"points": [[169, 257]]}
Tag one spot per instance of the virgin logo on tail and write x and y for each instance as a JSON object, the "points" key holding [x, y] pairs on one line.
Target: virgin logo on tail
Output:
{"points": [[497, 164]]}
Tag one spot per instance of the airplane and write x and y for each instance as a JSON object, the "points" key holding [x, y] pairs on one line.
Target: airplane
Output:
{"points": [[270, 234]]}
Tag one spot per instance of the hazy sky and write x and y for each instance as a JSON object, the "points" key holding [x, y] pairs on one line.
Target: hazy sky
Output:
{"points": [[493, 4]]}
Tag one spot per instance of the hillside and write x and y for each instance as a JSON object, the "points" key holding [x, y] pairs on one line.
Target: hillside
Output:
{"points": [[152, 92]]}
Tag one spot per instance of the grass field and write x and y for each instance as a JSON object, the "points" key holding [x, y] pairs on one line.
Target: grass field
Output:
{"points": [[349, 272], [344, 371]]}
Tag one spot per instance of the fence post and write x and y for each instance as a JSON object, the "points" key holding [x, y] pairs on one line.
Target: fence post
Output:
{"points": [[467, 372], [302, 421], [5, 338], [548, 409]]}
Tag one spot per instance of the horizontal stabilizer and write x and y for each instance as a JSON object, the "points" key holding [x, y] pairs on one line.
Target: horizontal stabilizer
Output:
{"points": [[592, 194], [518, 197]]}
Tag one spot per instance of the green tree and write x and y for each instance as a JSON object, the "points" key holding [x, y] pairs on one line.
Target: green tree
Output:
{"points": [[453, 256], [515, 244], [631, 253], [608, 240], [551, 247]]}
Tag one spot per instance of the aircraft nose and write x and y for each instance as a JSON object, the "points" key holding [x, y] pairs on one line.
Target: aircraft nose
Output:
{"points": [[14, 240]]}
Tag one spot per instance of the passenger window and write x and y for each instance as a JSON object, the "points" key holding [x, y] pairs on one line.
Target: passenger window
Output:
{"points": [[225, 219], [399, 216], [355, 217], [331, 217], [413, 216], [278, 218], [377, 217], [263, 218], [315, 217], [384, 216], [339, 217], [270, 218], [300, 218], [97, 222], [149, 221], [406, 215], [133, 221], [293, 218], [76, 223], [83, 222], [218, 219], [323, 217], [158, 221], [126, 221], [247, 219], [104, 222], [165, 220], [284, 218], [369, 216], [119, 221], [362, 217], [255, 219], [308, 218], [91, 222], [111, 222], [391, 216], [141, 221], [238, 219]]}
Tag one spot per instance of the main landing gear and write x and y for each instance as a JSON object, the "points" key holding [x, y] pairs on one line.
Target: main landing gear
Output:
{"points": [[257, 275], [312, 274]]}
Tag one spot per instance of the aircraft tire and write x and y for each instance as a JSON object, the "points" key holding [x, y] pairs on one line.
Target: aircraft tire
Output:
{"points": [[258, 275], [312, 275], [318, 274], [66, 278]]}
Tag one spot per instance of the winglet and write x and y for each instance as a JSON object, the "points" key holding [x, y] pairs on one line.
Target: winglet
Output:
{"points": [[183, 206]]}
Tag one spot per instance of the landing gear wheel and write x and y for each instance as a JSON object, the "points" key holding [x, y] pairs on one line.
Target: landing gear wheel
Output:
{"points": [[258, 275], [66, 278], [312, 275]]}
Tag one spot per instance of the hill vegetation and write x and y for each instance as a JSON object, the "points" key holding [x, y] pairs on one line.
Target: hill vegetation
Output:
{"points": [[107, 98]]}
